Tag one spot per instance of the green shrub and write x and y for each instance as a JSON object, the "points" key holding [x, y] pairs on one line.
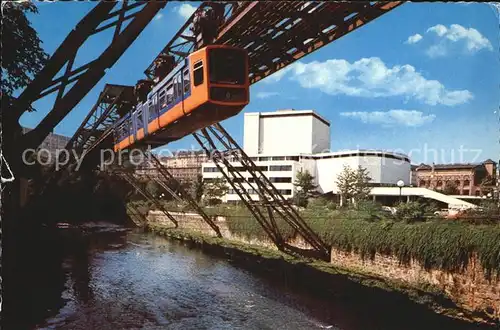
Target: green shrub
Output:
{"points": [[445, 245], [411, 212]]}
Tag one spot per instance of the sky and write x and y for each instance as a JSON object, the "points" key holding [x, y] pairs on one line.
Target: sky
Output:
{"points": [[422, 79]]}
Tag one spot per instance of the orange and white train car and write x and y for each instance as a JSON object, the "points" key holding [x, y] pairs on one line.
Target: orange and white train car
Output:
{"points": [[209, 86]]}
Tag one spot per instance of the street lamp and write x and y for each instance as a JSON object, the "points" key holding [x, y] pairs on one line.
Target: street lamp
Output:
{"points": [[400, 184]]}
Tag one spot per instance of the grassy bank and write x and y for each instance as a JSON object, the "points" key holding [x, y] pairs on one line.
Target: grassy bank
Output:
{"points": [[435, 243], [322, 277]]}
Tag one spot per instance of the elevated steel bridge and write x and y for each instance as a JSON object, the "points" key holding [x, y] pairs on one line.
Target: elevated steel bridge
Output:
{"points": [[275, 34]]}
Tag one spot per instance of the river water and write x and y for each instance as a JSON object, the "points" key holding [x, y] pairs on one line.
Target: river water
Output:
{"points": [[127, 279]]}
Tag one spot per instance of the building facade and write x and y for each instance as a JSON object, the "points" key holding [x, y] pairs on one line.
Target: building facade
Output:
{"points": [[52, 144], [185, 166], [466, 177], [285, 142]]}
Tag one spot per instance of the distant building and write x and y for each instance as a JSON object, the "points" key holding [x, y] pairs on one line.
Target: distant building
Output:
{"points": [[467, 177], [52, 143], [185, 166], [283, 143]]}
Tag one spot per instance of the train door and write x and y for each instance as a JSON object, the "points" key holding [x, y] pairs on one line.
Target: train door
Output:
{"points": [[144, 116], [131, 129], [153, 115], [134, 124], [180, 90]]}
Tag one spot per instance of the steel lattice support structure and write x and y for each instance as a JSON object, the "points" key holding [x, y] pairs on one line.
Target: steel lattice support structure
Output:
{"points": [[113, 101], [74, 83], [184, 41], [133, 182], [181, 193], [278, 33], [269, 197]]}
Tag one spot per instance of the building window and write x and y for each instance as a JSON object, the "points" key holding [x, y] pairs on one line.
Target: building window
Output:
{"points": [[264, 159], [210, 169], [294, 158], [278, 158], [280, 180], [285, 192], [477, 192], [466, 183], [457, 182], [280, 168], [422, 183]]}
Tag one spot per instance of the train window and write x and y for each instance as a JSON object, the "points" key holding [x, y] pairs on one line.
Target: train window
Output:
{"points": [[227, 66], [170, 94], [176, 88], [152, 112], [198, 73], [161, 98], [140, 122], [179, 85], [186, 80]]}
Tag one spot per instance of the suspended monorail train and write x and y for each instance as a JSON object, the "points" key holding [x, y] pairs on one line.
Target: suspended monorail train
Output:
{"points": [[210, 85]]}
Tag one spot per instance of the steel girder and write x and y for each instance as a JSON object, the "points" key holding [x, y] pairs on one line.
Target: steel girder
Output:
{"points": [[129, 177], [103, 114], [269, 197], [181, 193], [184, 42], [84, 78], [278, 33]]}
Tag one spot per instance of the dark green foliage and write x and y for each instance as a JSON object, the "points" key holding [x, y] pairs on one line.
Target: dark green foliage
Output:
{"points": [[446, 245], [450, 188], [214, 190], [411, 212], [487, 185], [22, 55], [154, 188]]}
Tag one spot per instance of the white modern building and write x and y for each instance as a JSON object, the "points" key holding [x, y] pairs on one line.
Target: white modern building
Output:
{"points": [[284, 142]]}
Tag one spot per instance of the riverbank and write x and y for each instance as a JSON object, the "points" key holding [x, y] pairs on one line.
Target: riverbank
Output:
{"points": [[423, 302]]}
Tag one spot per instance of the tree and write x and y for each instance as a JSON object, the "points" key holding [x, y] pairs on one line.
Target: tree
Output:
{"points": [[487, 185], [196, 188], [23, 56], [215, 190], [305, 188], [361, 185], [345, 183], [450, 188], [353, 184], [153, 188]]}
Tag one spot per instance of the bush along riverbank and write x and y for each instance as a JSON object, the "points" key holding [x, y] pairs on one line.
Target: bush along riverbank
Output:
{"points": [[351, 285]]}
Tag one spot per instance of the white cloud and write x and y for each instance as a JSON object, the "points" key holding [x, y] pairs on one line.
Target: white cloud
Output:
{"points": [[265, 95], [370, 77], [186, 10], [439, 29], [414, 39], [158, 16], [409, 118], [469, 39]]}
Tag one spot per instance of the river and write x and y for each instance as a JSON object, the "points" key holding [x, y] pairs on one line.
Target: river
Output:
{"points": [[127, 279]]}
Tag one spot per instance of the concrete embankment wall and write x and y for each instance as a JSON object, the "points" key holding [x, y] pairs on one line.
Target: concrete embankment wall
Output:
{"points": [[469, 289]]}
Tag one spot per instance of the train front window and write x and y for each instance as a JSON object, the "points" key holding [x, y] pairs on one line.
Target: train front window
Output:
{"points": [[227, 66]]}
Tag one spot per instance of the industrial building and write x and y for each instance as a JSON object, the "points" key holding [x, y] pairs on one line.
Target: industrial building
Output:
{"points": [[284, 142]]}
